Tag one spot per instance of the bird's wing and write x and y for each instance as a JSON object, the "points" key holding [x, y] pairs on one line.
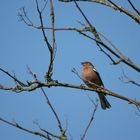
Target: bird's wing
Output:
{"points": [[98, 76]]}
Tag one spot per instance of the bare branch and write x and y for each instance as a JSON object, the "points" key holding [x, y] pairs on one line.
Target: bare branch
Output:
{"points": [[92, 28], [134, 7], [128, 61], [138, 111], [76, 72], [24, 129], [112, 5], [52, 20], [127, 12], [99, 42], [37, 84], [23, 17], [121, 58], [117, 50], [46, 2], [90, 121], [127, 79], [53, 110], [42, 25], [49, 134], [52, 55], [51, 107], [13, 77]]}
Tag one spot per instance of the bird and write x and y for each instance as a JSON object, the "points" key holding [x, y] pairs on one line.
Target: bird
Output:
{"points": [[92, 79]]}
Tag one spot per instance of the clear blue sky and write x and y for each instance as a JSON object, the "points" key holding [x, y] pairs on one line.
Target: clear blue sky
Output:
{"points": [[21, 45]]}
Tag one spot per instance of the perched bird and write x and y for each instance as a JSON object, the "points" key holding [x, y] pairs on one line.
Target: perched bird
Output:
{"points": [[89, 76]]}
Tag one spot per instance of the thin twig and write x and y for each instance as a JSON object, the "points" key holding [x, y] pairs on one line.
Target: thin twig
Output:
{"points": [[134, 7], [90, 121], [56, 116], [138, 111], [81, 31], [50, 105], [93, 29], [42, 25], [53, 110], [119, 52], [128, 79], [128, 61], [112, 5], [48, 101], [24, 129], [99, 42], [13, 77], [46, 2], [23, 17], [49, 133], [76, 72], [127, 12]]}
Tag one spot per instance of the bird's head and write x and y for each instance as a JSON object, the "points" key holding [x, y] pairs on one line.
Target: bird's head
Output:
{"points": [[87, 64]]}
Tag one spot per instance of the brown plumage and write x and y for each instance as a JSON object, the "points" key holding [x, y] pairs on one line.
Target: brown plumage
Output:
{"points": [[89, 74]]}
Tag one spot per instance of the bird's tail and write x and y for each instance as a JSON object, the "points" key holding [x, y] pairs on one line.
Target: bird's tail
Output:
{"points": [[104, 103]]}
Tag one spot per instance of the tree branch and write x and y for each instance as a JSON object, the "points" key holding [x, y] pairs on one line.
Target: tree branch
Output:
{"points": [[99, 42], [52, 55], [24, 129], [91, 28], [127, 12], [128, 79], [42, 25], [52, 109], [13, 77], [90, 121], [126, 61], [37, 84], [112, 5], [133, 7], [55, 114]]}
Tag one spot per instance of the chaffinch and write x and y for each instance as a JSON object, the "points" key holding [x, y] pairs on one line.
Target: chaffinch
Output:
{"points": [[92, 79]]}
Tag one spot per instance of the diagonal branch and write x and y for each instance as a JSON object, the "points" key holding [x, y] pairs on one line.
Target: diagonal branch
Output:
{"points": [[53, 110], [112, 5], [90, 121], [93, 29], [128, 79], [23, 17], [127, 12], [121, 57], [116, 49], [47, 99], [132, 5], [126, 61], [49, 133], [24, 129], [99, 42], [51, 107], [13, 77]]}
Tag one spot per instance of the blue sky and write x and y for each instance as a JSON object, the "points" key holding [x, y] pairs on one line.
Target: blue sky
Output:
{"points": [[21, 45]]}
